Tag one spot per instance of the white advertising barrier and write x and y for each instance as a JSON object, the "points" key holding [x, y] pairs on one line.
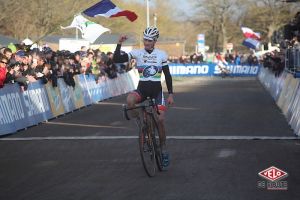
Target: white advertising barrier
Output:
{"points": [[278, 84], [265, 77], [293, 115], [284, 97], [285, 90], [295, 118], [290, 96], [271, 83]]}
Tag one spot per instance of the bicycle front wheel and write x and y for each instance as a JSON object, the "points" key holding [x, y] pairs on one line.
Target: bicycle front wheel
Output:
{"points": [[156, 142], [147, 150]]}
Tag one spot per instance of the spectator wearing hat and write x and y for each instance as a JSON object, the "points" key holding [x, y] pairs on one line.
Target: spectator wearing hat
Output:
{"points": [[19, 55], [3, 70], [12, 47]]}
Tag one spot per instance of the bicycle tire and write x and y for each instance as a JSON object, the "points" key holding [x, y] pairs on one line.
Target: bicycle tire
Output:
{"points": [[156, 142], [147, 149]]}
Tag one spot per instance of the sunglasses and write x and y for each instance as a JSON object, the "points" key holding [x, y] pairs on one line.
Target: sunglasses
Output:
{"points": [[146, 40], [4, 62]]}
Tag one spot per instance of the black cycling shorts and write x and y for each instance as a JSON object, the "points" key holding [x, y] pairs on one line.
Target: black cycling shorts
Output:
{"points": [[152, 89]]}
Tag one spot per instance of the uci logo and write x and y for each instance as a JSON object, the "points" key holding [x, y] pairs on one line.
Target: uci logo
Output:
{"points": [[150, 71]]}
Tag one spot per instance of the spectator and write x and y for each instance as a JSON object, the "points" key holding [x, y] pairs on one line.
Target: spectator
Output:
{"points": [[41, 71], [68, 75], [3, 70], [110, 67], [200, 58], [193, 58], [77, 65], [85, 66], [7, 53], [19, 56], [90, 56], [237, 59], [15, 75]]}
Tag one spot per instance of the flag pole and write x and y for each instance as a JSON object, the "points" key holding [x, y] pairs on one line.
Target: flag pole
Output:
{"points": [[155, 19], [76, 29], [148, 18]]}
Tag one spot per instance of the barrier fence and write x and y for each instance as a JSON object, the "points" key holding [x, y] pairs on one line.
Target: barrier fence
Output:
{"points": [[212, 69], [292, 59], [40, 102], [286, 92]]}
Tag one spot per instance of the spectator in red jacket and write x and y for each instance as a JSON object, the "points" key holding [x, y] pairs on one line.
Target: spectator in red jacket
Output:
{"points": [[3, 70]]}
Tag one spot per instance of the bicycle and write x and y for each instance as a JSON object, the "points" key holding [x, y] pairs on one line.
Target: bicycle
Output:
{"points": [[149, 143], [224, 71]]}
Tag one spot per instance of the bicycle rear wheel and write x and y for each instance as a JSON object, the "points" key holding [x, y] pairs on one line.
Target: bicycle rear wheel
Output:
{"points": [[147, 150]]}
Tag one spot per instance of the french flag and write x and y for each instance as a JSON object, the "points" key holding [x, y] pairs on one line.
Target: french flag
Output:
{"points": [[106, 8], [249, 33], [251, 43]]}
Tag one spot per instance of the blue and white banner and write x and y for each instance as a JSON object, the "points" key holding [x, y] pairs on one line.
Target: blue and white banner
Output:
{"points": [[22, 109], [212, 69], [40, 102], [80, 79], [12, 113], [66, 93], [37, 103]]}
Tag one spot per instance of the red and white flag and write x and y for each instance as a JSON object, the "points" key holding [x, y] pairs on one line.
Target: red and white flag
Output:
{"points": [[249, 33]]}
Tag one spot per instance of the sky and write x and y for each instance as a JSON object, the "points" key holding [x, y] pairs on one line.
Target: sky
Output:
{"points": [[181, 5]]}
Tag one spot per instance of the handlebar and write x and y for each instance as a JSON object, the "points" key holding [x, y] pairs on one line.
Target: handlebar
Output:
{"points": [[147, 103]]}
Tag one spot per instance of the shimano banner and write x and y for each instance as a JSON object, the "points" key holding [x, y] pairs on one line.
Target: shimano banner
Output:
{"points": [[212, 69], [22, 109]]}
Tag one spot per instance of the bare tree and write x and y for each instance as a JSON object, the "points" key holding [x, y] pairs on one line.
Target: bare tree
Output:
{"points": [[267, 16], [217, 18]]}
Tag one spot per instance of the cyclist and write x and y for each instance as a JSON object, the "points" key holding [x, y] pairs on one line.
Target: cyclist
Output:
{"points": [[151, 62]]}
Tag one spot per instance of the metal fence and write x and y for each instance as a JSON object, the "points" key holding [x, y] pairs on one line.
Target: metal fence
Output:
{"points": [[292, 59]]}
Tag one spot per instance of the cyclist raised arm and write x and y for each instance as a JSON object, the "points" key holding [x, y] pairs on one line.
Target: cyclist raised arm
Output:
{"points": [[151, 62]]}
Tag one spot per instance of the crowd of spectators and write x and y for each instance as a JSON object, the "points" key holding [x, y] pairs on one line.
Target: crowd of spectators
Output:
{"points": [[292, 52], [288, 54], [22, 65], [287, 57], [229, 58]]}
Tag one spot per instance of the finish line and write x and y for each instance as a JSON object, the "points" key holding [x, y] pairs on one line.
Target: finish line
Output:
{"points": [[136, 137]]}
